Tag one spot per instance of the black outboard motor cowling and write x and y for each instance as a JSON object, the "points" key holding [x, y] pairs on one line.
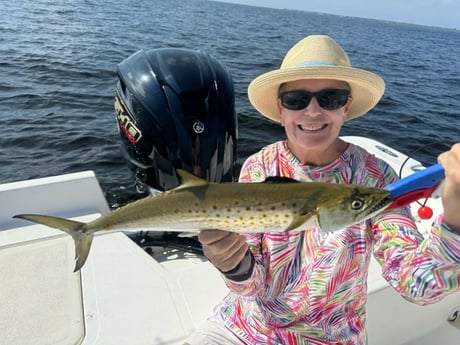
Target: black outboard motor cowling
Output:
{"points": [[175, 109]]}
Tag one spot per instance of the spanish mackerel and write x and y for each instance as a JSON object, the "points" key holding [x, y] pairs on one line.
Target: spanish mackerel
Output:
{"points": [[197, 204]]}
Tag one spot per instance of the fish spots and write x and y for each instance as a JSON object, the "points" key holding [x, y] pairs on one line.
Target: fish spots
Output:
{"points": [[245, 217]]}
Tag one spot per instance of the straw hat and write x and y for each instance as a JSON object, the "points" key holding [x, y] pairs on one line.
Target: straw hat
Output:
{"points": [[316, 57]]}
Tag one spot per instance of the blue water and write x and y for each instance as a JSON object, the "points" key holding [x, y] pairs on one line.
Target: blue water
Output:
{"points": [[57, 77]]}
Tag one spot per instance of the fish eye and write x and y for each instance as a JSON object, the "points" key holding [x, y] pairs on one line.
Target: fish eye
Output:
{"points": [[357, 204]]}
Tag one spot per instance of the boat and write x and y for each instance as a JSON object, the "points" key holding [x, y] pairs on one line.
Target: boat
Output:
{"points": [[142, 290]]}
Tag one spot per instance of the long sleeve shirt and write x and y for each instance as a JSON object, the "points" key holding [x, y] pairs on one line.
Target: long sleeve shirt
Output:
{"points": [[310, 287]]}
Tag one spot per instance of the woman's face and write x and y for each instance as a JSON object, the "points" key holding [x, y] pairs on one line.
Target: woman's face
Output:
{"points": [[313, 128]]}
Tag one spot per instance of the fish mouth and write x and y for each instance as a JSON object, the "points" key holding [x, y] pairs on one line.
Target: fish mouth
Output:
{"points": [[379, 206]]}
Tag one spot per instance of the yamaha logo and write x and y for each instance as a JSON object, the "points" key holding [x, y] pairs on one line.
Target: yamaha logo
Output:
{"points": [[198, 127]]}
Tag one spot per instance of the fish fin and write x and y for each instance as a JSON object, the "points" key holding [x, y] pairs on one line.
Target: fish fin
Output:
{"points": [[82, 244], [189, 180], [279, 179], [67, 225], [305, 214], [75, 229], [298, 221]]}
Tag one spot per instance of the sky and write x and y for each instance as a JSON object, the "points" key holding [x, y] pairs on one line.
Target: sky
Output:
{"points": [[442, 13]]}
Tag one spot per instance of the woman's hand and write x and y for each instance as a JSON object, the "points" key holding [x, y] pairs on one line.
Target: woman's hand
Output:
{"points": [[224, 249], [450, 160]]}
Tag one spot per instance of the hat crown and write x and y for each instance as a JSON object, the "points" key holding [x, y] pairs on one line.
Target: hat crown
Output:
{"points": [[316, 51]]}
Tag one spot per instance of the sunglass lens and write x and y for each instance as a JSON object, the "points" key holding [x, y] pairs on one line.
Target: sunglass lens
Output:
{"points": [[332, 99], [295, 100]]}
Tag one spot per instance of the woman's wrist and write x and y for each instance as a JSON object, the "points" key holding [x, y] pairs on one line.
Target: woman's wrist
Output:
{"points": [[449, 228], [243, 270]]}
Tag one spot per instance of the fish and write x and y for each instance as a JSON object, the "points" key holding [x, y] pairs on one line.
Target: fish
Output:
{"points": [[197, 204]]}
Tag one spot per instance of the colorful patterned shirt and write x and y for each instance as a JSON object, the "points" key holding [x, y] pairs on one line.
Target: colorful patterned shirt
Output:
{"points": [[310, 287]]}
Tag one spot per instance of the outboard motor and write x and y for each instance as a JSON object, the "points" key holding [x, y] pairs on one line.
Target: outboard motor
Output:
{"points": [[175, 109]]}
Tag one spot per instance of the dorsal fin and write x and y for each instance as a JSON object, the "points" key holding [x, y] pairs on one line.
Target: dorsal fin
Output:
{"points": [[279, 179], [189, 180]]}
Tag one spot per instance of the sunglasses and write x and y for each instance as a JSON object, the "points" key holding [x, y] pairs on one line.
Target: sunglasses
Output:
{"points": [[329, 99]]}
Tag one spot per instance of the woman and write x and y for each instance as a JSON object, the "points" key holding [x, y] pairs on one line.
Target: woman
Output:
{"points": [[308, 287]]}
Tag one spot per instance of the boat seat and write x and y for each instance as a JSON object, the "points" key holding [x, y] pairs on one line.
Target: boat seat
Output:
{"points": [[40, 296]]}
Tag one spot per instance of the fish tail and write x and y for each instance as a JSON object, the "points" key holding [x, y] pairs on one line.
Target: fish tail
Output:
{"points": [[76, 229]]}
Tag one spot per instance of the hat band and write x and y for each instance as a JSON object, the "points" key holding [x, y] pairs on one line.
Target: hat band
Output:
{"points": [[314, 63]]}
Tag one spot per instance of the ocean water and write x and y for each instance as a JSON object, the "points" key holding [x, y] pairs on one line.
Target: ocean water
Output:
{"points": [[58, 61]]}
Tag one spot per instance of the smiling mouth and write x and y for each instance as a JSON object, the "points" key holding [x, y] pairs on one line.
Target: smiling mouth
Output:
{"points": [[311, 128]]}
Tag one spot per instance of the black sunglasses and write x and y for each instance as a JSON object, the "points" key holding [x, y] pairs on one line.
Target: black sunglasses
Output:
{"points": [[329, 99]]}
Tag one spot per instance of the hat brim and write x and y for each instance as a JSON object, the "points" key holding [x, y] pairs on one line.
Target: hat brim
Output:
{"points": [[367, 88]]}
